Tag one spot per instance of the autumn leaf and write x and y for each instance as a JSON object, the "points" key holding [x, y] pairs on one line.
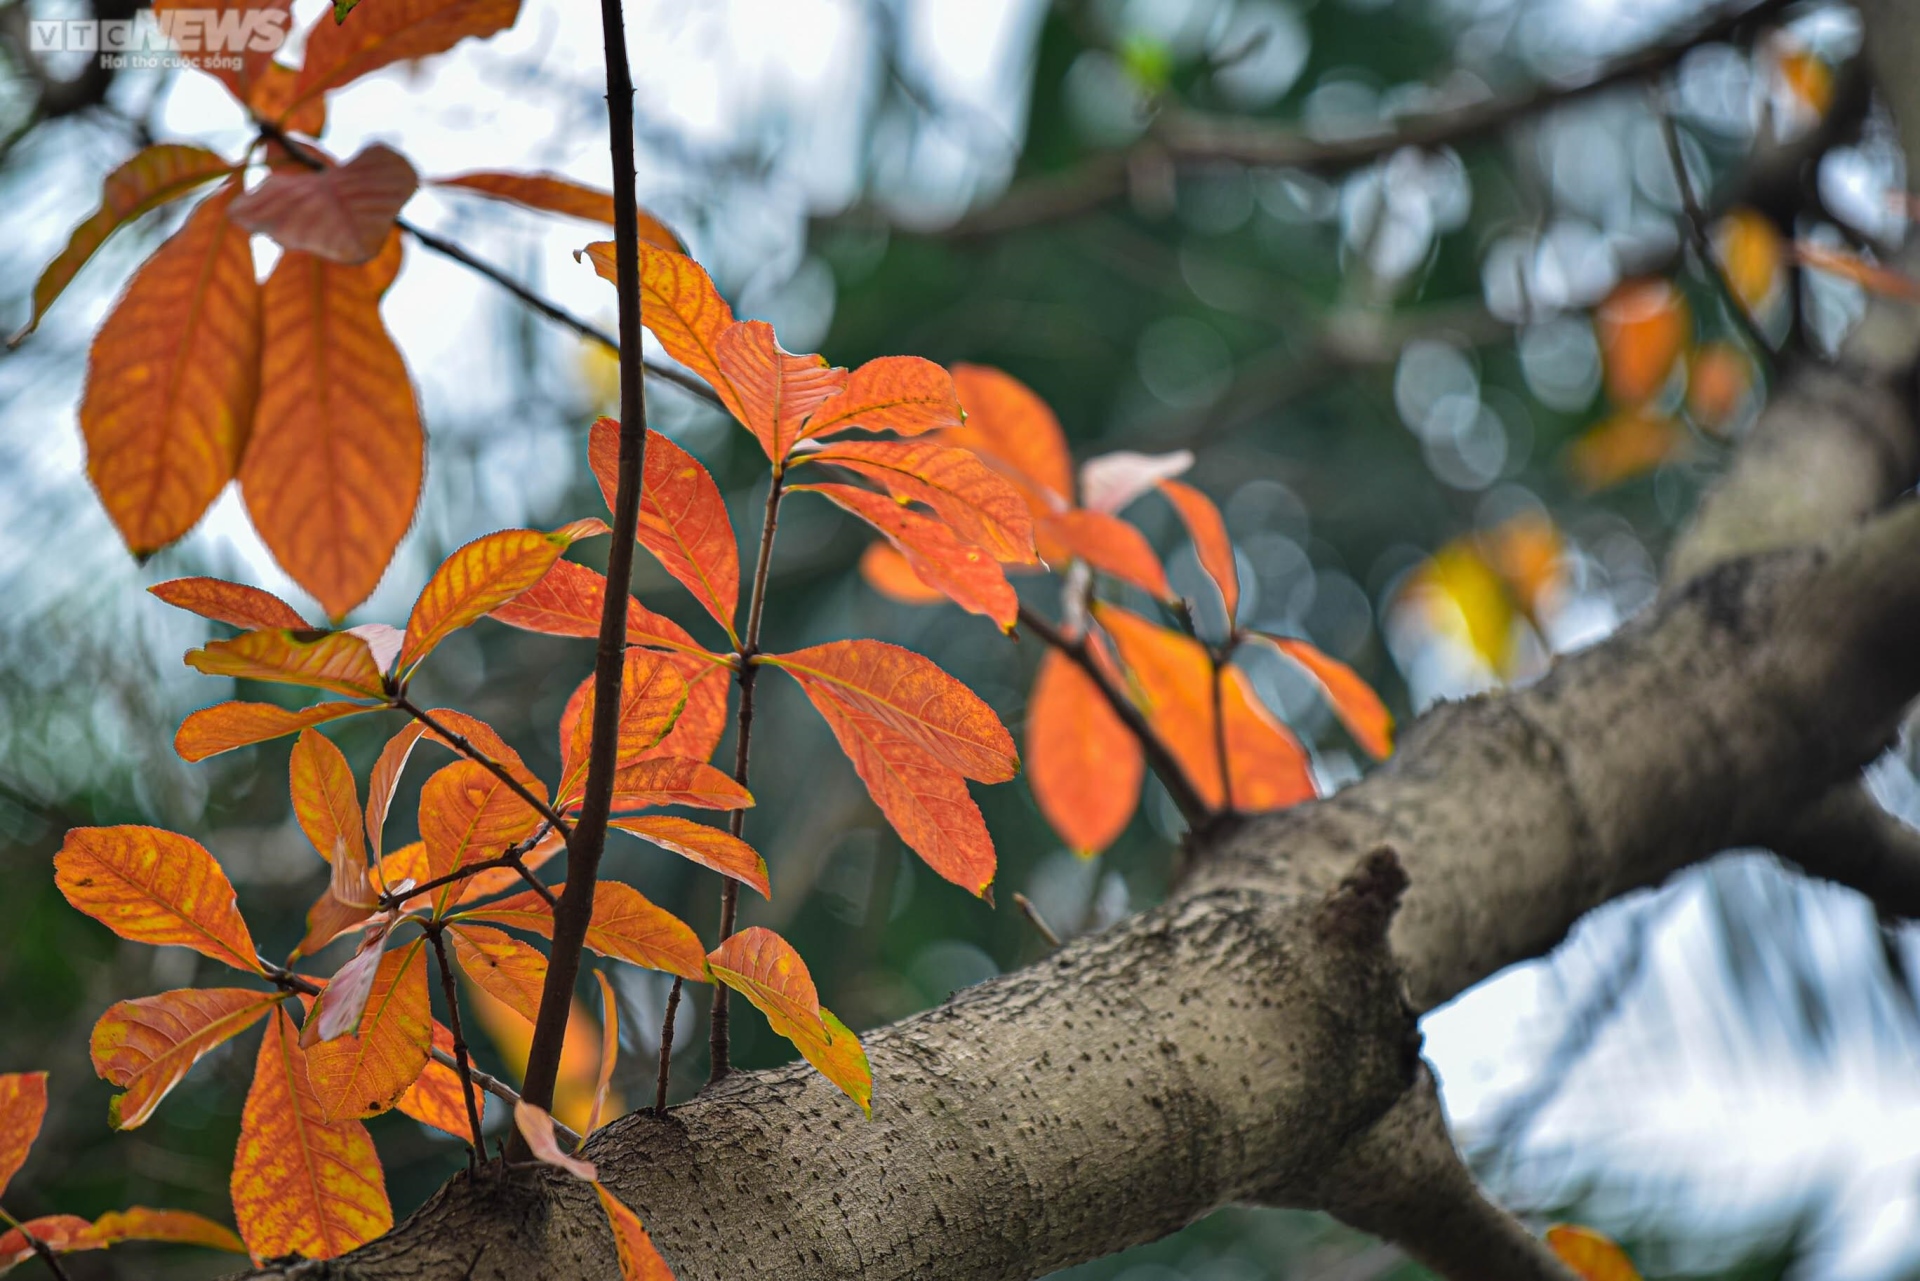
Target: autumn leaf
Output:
{"points": [[1753, 255], [512, 1034], [342, 213], [1108, 544], [1210, 542], [1266, 765], [1869, 276], [334, 469], [639, 1260], [913, 696], [393, 31], [468, 814], [273, 94], [982, 506], [1628, 444], [154, 887], [501, 965], [1084, 765], [225, 726], [385, 777], [838, 1055], [675, 780], [1458, 594], [147, 1046], [683, 518], [176, 1227], [708, 846], [1352, 699], [536, 1127], [301, 1184], [685, 312], [624, 925], [966, 574], [609, 1052], [653, 694], [337, 661], [1172, 679], [550, 193], [173, 380], [366, 1071], [888, 572], [1013, 428], [326, 802], [476, 579], [61, 1233], [777, 389], [1592, 1256], [1643, 326], [901, 394], [23, 1106], [1720, 381], [436, 1096], [337, 1011], [764, 968], [567, 602], [247, 608], [154, 176], [1111, 482]]}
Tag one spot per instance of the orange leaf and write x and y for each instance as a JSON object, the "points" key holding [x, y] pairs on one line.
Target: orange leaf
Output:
{"points": [[178, 1227], [708, 846], [272, 96], [1753, 255], [887, 572], [639, 1261], [147, 1046], [778, 390], [553, 194], [704, 719], [901, 394], [62, 1233], [326, 802], [624, 926], [1629, 444], [386, 777], [1265, 762], [154, 887], [436, 1097], [675, 780], [981, 505], [967, 575], [481, 576], [683, 519], [328, 919], [1353, 700], [1013, 428], [366, 1071], [764, 968], [333, 474], [1083, 764], [568, 600], [393, 31], [252, 24], [467, 814], [498, 880], [609, 1051], [922, 704], [23, 1106], [247, 608], [680, 305], [1643, 326], [225, 726], [1210, 542], [342, 213], [173, 380], [837, 1055], [1110, 545], [1172, 679], [653, 693], [301, 1184], [1871, 277], [504, 967], [1590, 1254], [337, 661], [536, 1126], [1720, 380], [153, 177]]}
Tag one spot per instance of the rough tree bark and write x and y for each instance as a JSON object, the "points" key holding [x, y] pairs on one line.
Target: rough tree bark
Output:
{"points": [[1253, 1039]]}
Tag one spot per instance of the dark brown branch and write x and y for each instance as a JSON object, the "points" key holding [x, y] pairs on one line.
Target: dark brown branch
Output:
{"points": [[1186, 797], [1851, 839], [587, 841], [1039, 922], [1694, 219], [666, 1047], [513, 858], [463, 1066]]}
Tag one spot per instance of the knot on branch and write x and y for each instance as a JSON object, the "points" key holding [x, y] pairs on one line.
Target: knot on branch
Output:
{"points": [[1361, 907]]}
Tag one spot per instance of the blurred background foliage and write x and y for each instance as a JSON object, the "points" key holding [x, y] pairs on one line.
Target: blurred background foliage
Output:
{"points": [[1453, 400]]}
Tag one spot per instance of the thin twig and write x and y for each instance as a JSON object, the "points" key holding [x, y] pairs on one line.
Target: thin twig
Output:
{"points": [[719, 1029], [1034, 918], [460, 744], [666, 1047], [463, 1066], [1701, 236], [500, 1090], [588, 840], [1186, 798], [512, 858], [38, 1246]]}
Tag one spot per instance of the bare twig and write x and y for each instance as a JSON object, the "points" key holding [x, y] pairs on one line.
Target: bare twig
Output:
{"points": [[666, 1047], [461, 744], [1034, 918], [1701, 236], [463, 1067]]}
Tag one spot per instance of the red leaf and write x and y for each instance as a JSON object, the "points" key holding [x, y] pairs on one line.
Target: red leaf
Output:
{"points": [[342, 213], [1173, 684], [337, 661], [550, 193], [247, 608], [568, 600], [708, 846], [1210, 542], [23, 1106], [764, 968], [1110, 545], [481, 576], [174, 379], [901, 394], [339, 53], [1083, 764], [1265, 762], [981, 505], [1012, 428], [154, 887], [1354, 701], [62, 1233], [966, 574], [675, 780], [147, 1046], [683, 519], [1871, 277], [1591, 1256], [225, 726], [887, 572], [777, 389]]}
